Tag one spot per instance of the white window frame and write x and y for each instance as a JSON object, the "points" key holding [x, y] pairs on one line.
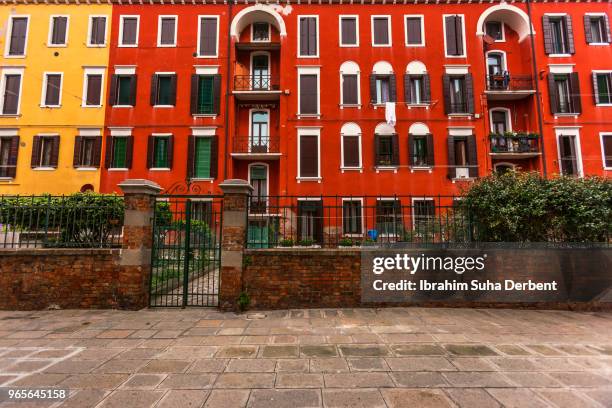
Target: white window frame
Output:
{"points": [[422, 18], [570, 131], [358, 73], [603, 153], [309, 71], [360, 201], [503, 29], [85, 132], [9, 32], [164, 73], [154, 135], [43, 96], [316, 16], [603, 71], [412, 213], [597, 15], [200, 17], [343, 167], [389, 30], [5, 72], [269, 32], [93, 71], [159, 30], [309, 131], [120, 39], [340, 17], [267, 166], [90, 26], [504, 59], [507, 111], [558, 55], [50, 35], [464, 55]]}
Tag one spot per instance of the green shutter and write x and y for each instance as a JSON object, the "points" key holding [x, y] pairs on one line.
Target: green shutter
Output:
{"points": [[164, 84], [202, 157], [258, 173], [119, 153], [205, 95], [160, 155], [124, 94]]}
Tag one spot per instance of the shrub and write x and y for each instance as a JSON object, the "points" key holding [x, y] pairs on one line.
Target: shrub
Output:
{"points": [[347, 242], [287, 242], [306, 242]]}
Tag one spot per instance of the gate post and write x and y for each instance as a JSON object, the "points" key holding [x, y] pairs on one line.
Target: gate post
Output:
{"points": [[135, 263], [235, 196]]}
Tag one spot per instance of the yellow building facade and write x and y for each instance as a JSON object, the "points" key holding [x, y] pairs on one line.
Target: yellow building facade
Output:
{"points": [[52, 80]]}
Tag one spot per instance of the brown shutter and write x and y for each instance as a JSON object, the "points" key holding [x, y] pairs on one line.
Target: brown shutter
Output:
{"points": [[113, 90], [451, 36], [571, 48], [52, 93], [459, 34], [413, 30], [472, 156], [395, 149], [308, 94], [312, 36], [469, 92], [349, 89], [350, 145], [94, 90], [446, 90], [575, 93], [430, 149], [133, 88], [208, 36], [150, 151], [13, 155], [349, 31], [154, 80], [595, 88], [451, 156], [170, 151], [607, 150], [173, 89], [552, 94], [373, 89], [376, 150], [35, 160], [97, 151], [407, 94], [426, 88], [18, 36], [214, 157], [108, 157], [308, 156], [76, 157], [588, 34], [129, 31], [217, 94], [303, 36], [194, 93], [55, 145], [381, 30], [99, 30], [11, 94], [607, 26], [59, 30], [167, 31], [392, 88], [190, 155], [411, 149], [129, 152], [548, 40]]}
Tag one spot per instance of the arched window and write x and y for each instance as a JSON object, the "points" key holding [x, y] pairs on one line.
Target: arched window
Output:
{"points": [[416, 84], [351, 146], [382, 84], [386, 146], [420, 145], [500, 120], [350, 93]]}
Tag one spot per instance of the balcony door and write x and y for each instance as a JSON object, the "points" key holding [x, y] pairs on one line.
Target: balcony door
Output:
{"points": [[499, 122], [258, 176], [260, 71], [260, 131], [495, 70]]}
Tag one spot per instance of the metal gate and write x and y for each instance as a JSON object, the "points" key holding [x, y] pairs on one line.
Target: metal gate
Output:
{"points": [[186, 255]]}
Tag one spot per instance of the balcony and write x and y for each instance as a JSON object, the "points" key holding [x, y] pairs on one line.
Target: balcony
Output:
{"points": [[514, 145], [258, 46], [506, 87], [257, 87], [256, 148]]}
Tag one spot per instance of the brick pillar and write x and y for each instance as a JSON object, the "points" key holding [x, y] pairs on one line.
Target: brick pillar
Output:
{"points": [[135, 263], [235, 196]]}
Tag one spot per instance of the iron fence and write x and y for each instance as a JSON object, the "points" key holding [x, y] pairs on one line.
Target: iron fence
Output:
{"points": [[256, 144], [256, 82], [75, 221], [516, 143], [507, 82]]}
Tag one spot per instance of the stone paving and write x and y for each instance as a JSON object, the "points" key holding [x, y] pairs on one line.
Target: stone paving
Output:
{"points": [[396, 357]]}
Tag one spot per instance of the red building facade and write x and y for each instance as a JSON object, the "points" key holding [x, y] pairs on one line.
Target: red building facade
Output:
{"points": [[292, 97]]}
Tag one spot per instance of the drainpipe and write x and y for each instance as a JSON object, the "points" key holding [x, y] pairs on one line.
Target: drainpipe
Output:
{"points": [[227, 88], [536, 79]]}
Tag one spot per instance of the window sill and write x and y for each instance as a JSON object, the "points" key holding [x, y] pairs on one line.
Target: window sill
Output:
{"points": [[604, 104], [599, 44], [460, 115], [166, 45], [207, 56], [6, 179], [387, 168], [43, 168], [560, 55], [204, 115], [467, 179], [91, 106], [160, 169], [118, 169], [421, 168], [123, 106], [349, 46], [14, 56], [210, 180], [163, 106], [308, 116], [359, 169], [92, 168], [10, 115], [415, 45], [382, 45], [127, 45], [96, 45], [51, 106], [455, 56], [57, 45], [312, 179], [343, 106], [417, 105], [566, 115]]}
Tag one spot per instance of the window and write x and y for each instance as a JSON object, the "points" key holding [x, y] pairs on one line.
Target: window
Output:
{"points": [[166, 31], [205, 94], [128, 31], [308, 93], [87, 151], [45, 151], [461, 154], [423, 215], [416, 90], [259, 137], [261, 32], [92, 89], [208, 32], [383, 89], [458, 95], [351, 217], [163, 90], [602, 85], [123, 90], [258, 176], [462, 157], [203, 157], [351, 151], [9, 149], [606, 150], [350, 89], [17, 36], [389, 217], [495, 30], [381, 31], [11, 92], [596, 29], [58, 31], [120, 152], [52, 89], [564, 90], [310, 221], [499, 122], [421, 150], [415, 31], [386, 150], [308, 152], [558, 34], [568, 160], [160, 152], [454, 44], [309, 37], [97, 31], [349, 31]]}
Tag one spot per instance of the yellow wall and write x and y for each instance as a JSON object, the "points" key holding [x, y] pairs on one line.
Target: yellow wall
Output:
{"points": [[70, 117]]}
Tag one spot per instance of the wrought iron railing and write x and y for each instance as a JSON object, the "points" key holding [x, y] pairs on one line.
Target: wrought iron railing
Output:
{"points": [[515, 143], [256, 144], [507, 82], [256, 83], [75, 221]]}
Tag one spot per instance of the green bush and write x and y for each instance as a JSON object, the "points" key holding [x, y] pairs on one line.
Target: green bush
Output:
{"points": [[524, 207]]}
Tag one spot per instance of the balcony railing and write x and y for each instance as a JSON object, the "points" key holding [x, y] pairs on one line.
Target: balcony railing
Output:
{"points": [[507, 82], [519, 143], [262, 83], [256, 144]]}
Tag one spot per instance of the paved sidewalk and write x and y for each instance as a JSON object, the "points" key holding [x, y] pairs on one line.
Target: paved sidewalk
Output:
{"points": [[400, 357]]}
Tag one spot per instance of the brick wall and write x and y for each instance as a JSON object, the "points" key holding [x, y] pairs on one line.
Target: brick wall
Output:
{"points": [[69, 278]]}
